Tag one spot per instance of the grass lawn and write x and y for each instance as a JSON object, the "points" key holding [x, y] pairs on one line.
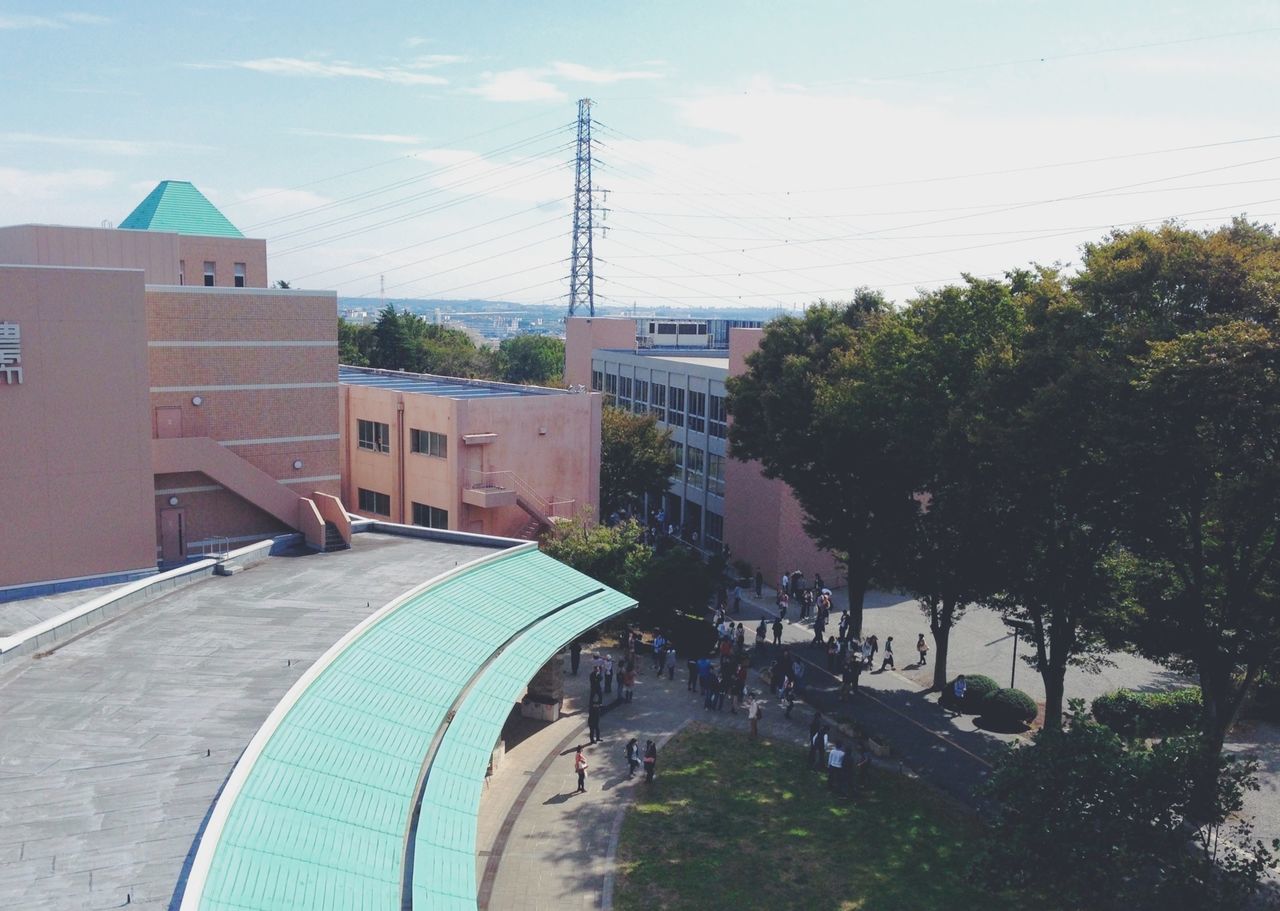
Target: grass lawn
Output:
{"points": [[731, 824]]}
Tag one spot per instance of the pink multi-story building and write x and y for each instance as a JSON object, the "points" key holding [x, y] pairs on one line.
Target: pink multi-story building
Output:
{"points": [[467, 455], [156, 397], [712, 499]]}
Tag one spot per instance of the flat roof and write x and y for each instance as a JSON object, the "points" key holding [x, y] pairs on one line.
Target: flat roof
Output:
{"points": [[116, 743], [448, 387], [698, 357]]}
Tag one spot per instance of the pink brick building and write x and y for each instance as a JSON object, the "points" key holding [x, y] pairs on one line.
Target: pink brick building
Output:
{"points": [[467, 455], [168, 400]]}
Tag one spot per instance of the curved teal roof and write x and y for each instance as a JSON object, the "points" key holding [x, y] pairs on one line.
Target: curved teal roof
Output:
{"points": [[319, 815], [177, 206]]}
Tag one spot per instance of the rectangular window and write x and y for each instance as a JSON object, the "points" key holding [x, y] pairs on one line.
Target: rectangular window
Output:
{"points": [[642, 392], [692, 329], [715, 474], [715, 527], [597, 381], [694, 465], [697, 411], [611, 383], [430, 516], [374, 436], [677, 450], [239, 275], [719, 418], [374, 502], [428, 442], [659, 401], [208, 274], [624, 387], [182, 271], [675, 409], [666, 328]]}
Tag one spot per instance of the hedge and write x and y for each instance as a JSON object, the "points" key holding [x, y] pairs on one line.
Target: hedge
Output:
{"points": [[978, 688], [1006, 706], [1134, 714]]}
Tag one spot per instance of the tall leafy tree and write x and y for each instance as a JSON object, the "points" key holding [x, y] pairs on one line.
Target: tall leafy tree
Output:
{"points": [[531, 359], [355, 343], [960, 335], [809, 409], [635, 459]]}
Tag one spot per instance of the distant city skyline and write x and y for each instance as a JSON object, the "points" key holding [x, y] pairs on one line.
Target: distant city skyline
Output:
{"points": [[754, 155]]}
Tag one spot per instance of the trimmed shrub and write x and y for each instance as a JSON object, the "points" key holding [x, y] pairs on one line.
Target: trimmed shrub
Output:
{"points": [[1010, 707], [1134, 714], [978, 687]]}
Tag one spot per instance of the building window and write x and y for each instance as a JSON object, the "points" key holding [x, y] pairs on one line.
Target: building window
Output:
{"points": [[715, 528], [428, 442], [642, 394], [597, 381], [374, 502], [719, 417], [611, 383], [182, 271], [694, 465], [374, 436], [624, 387], [239, 275], [715, 474], [208, 274], [675, 408], [677, 451], [640, 407], [697, 411], [659, 401], [430, 516]]}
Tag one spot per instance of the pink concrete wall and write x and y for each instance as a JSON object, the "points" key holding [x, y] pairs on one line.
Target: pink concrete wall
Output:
{"points": [[201, 339], [224, 252], [75, 477], [583, 334], [155, 252], [561, 464], [763, 521]]}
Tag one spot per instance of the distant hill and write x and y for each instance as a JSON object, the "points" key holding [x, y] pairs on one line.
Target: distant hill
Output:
{"points": [[473, 305]]}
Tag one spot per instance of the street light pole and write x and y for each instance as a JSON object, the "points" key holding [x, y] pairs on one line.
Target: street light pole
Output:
{"points": [[1013, 672]]}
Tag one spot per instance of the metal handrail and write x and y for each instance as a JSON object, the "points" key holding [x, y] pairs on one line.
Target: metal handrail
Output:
{"points": [[509, 480]]}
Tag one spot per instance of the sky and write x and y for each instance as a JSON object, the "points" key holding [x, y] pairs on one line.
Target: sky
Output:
{"points": [[744, 153]]}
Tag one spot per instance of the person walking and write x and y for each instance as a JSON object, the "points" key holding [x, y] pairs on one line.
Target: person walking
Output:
{"points": [[575, 656], [762, 632], [874, 642], [608, 673], [754, 708], [650, 761], [784, 601], [580, 766], [593, 722], [659, 645], [788, 697], [671, 662], [633, 757], [777, 632], [923, 648], [888, 654], [818, 749]]}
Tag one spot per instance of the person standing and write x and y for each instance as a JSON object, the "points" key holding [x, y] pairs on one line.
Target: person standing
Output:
{"points": [[596, 679], [608, 673], [777, 632], [628, 681], [923, 648], [633, 757], [737, 599], [692, 667], [818, 749], [671, 662], [754, 708], [650, 760], [759, 583], [575, 656], [835, 768], [593, 722], [580, 766], [784, 601], [659, 646], [888, 654]]}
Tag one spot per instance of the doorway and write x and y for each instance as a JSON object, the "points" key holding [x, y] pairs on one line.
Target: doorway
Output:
{"points": [[168, 422], [173, 535]]}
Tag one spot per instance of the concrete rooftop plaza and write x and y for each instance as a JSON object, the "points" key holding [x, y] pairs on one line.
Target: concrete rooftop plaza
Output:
{"points": [[114, 745]]}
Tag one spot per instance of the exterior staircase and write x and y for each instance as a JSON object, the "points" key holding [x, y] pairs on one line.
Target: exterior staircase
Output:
{"points": [[333, 539], [531, 529]]}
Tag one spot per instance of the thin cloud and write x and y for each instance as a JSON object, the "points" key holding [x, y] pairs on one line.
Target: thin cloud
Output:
{"points": [[130, 147], [329, 69], [430, 61], [388, 138], [57, 20], [595, 76], [517, 85], [25, 184]]}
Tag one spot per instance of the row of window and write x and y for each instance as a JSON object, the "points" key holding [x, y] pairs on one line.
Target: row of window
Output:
{"points": [[376, 437], [640, 396], [424, 515], [692, 462], [210, 273]]}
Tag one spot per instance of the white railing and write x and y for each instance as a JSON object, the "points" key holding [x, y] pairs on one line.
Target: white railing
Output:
{"points": [[216, 549], [509, 480]]}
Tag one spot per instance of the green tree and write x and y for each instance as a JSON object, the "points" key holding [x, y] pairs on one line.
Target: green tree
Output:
{"points": [[1087, 820], [809, 408], [355, 343], [959, 336], [535, 359], [635, 459]]}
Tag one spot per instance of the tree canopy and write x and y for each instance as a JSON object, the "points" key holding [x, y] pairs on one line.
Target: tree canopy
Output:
{"points": [[537, 359], [401, 340], [635, 459]]}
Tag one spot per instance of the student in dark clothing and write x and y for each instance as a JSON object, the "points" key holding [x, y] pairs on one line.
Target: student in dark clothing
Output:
{"points": [[692, 667], [759, 583], [575, 657], [650, 761], [777, 632]]}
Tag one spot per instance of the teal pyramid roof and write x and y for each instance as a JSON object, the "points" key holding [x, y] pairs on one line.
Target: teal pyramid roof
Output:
{"points": [[177, 206]]}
